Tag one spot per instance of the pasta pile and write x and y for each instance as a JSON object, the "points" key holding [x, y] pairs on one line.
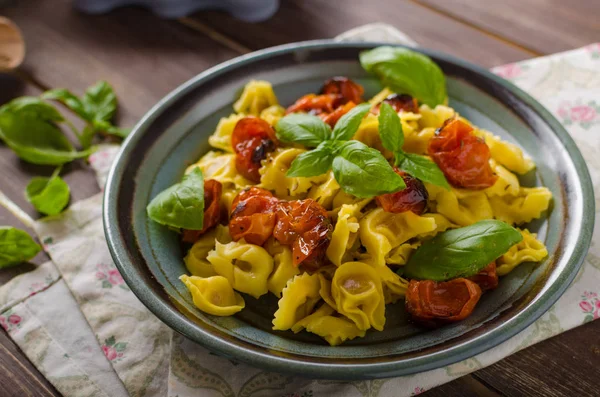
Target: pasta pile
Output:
{"points": [[343, 299]]}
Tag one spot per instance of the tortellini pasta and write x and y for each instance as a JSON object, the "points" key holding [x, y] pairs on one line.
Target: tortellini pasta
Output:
{"points": [[257, 96], [344, 234], [325, 192], [221, 138], [460, 206], [283, 270], [434, 118], [273, 175], [335, 330], [213, 295], [530, 249], [358, 294], [246, 266], [272, 114], [526, 206], [298, 300], [195, 260], [505, 153], [221, 167]]}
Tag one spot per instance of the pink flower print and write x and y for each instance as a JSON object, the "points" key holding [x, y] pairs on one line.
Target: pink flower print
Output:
{"points": [[583, 113], [418, 390], [594, 50], [114, 277], [586, 306], [14, 319], [100, 275], [109, 352], [509, 71], [590, 295]]}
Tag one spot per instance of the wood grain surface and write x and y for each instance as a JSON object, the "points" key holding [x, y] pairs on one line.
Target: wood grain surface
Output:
{"points": [[144, 58]]}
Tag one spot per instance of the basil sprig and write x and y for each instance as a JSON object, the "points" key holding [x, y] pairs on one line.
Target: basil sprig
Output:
{"points": [[48, 195], [16, 246], [407, 72], [181, 205], [461, 252], [392, 138], [359, 169]]}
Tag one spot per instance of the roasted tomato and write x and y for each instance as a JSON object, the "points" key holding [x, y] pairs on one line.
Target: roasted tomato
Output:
{"points": [[343, 87], [253, 216], [304, 225], [463, 157], [412, 198], [315, 104], [212, 211], [433, 303], [333, 117], [400, 103], [487, 278], [252, 139]]}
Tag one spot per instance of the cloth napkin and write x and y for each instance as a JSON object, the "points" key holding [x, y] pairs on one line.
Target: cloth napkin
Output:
{"points": [[81, 326]]}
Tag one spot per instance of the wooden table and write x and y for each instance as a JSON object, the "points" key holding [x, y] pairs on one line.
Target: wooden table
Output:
{"points": [[144, 58]]}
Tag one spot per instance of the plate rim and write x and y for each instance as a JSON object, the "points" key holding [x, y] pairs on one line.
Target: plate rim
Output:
{"points": [[277, 361]]}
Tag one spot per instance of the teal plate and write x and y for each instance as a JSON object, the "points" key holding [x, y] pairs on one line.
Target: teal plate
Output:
{"points": [[174, 134]]}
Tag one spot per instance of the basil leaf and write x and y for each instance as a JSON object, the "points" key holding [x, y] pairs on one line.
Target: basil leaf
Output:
{"points": [[347, 125], [407, 72], [461, 252], [29, 106], [181, 205], [68, 99], [111, 129], [422, 168], [36, 140], [390, 128], [364, 172], [302, 128], [48, 195], [16, 246], [314, 162], [100, 101]]}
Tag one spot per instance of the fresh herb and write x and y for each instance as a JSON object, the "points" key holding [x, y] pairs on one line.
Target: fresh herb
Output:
{"points": [[364, 172], [461, 252], [407, 72], [48, 195], [181, 205], [16, 246], [359, 170], [97, 107], [392, 138]]}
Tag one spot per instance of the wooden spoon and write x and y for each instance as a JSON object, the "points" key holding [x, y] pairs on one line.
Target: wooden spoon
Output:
{"points": [[12, 45]]}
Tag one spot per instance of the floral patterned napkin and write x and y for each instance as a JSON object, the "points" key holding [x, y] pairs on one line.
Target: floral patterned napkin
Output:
{"points": [[88, 334]]}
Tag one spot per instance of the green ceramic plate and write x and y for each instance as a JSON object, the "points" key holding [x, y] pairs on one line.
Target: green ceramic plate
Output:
{"points": [[174, 134]]}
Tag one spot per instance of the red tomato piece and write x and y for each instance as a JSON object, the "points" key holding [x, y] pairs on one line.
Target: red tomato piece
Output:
{"points": [[253, 216], [333, 117], [433, 303], [314, 104], [348, 90], [252, 139], [463, 157], [413, 198], [212, 211], [304, 225], [400, 103], [487, 278]]}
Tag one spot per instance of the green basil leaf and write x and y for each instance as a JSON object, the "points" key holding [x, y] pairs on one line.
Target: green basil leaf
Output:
{"points": [[36, 140], [68, 99], [16, 246], [302, 128], [111, 129], [29, 106], [100, 101], [461, 252], [407, 72], [390, 128], [181, 205], [422, 168], [314, 162], [364, 172], [48, 195], [347, 125]]}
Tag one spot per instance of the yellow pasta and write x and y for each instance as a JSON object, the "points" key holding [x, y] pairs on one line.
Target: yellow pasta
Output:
{"points": [[213, 295], [283, 271], [344, 234], [505, 153], [400, 254], [322, 311], [530, 249], [195, 260], [257, 96], [434, 118], [273, 175], [246, 266], [272, 114], [298, 299], [394, 286], [221, 138], [325, 192], [381, 231], [220, 167], [358, 294], [335, 330], [506, 184], [460, 206], [528, 205]]}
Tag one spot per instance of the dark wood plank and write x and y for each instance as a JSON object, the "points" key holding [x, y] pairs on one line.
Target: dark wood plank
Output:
{"points": [[299, 20], [466, 386], [545, 26], [143, 57], [565, 365]]}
